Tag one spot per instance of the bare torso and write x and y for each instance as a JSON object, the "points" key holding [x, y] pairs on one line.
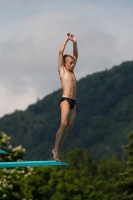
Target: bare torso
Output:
{"points": [[68, 82]]}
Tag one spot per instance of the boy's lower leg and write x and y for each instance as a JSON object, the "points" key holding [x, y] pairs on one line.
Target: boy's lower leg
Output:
{"points": [[64, 138], [58, 142]]}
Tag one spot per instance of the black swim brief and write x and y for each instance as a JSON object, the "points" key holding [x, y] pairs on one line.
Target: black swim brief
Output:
{"points": [[72, 102]]}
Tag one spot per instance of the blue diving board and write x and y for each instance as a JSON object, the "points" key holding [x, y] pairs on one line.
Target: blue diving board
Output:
{"points": [[2, 152], [32, 164]]}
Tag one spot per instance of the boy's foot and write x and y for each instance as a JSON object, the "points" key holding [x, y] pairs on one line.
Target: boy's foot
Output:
{"points": [[55, 155]]}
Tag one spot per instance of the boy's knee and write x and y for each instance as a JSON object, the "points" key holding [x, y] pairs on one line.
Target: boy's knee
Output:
{"points": [[64, 124]]}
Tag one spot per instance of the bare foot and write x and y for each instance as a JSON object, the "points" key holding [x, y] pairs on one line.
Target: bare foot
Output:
{"points": [[55, 155]]}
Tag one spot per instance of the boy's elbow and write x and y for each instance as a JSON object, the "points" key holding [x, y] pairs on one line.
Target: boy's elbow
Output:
{"points": [[60, 51]]}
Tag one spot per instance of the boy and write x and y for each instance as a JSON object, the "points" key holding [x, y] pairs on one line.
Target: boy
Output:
{"points": [[66, 65]]}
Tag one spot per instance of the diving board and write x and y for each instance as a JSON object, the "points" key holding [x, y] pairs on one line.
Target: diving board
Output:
{"points": [[2, 152], [32, 164]]}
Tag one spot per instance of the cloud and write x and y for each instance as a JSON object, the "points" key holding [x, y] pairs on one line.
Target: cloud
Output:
{"points": [[12, 100]]}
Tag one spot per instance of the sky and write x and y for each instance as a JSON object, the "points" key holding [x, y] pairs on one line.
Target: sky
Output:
{"points": [[32, 32]]}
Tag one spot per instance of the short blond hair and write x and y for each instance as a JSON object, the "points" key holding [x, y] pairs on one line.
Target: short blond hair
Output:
{"points": [[67, 56]]}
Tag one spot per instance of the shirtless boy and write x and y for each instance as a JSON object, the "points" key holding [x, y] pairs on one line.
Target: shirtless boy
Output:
{"points": [[66, 65]]}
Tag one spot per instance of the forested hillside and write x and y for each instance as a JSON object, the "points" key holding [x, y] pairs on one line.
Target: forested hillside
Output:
{"points": [[103, 121]]}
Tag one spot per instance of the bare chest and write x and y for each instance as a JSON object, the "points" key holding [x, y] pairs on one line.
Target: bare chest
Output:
{"points": [[69, 78]]}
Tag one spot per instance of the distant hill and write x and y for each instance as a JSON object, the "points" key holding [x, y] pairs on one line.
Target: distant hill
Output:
{"points": [[103, 121]]}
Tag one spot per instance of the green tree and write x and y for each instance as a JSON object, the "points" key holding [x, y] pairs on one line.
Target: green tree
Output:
{"points": [[83, 179], [10, 178], [125, 186], [62, 183]]}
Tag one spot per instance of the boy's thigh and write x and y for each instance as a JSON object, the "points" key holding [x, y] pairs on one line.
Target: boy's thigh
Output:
{"points": [[72, 116], [65, 111]]}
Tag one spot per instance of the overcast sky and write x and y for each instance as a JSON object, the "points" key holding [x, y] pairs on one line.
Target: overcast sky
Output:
{"points": [[33, 30]]}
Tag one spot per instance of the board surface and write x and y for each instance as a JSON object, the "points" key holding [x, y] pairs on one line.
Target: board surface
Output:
{"points": [[2, 152], [32, 164]]}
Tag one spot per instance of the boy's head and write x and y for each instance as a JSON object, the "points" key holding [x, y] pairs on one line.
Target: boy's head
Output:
{"points": [[69, 62]]}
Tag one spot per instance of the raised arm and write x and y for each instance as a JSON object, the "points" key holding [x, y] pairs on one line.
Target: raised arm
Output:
{"points": [[61, 50], [75, 48]]}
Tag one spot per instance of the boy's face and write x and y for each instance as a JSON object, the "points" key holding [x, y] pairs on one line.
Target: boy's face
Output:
{"points": [[69, 64]]}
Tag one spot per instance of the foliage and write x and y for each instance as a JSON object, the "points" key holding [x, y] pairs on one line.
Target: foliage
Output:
{"points": [[104, 104], [81, 180], [10, 179], [126, 185]]}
